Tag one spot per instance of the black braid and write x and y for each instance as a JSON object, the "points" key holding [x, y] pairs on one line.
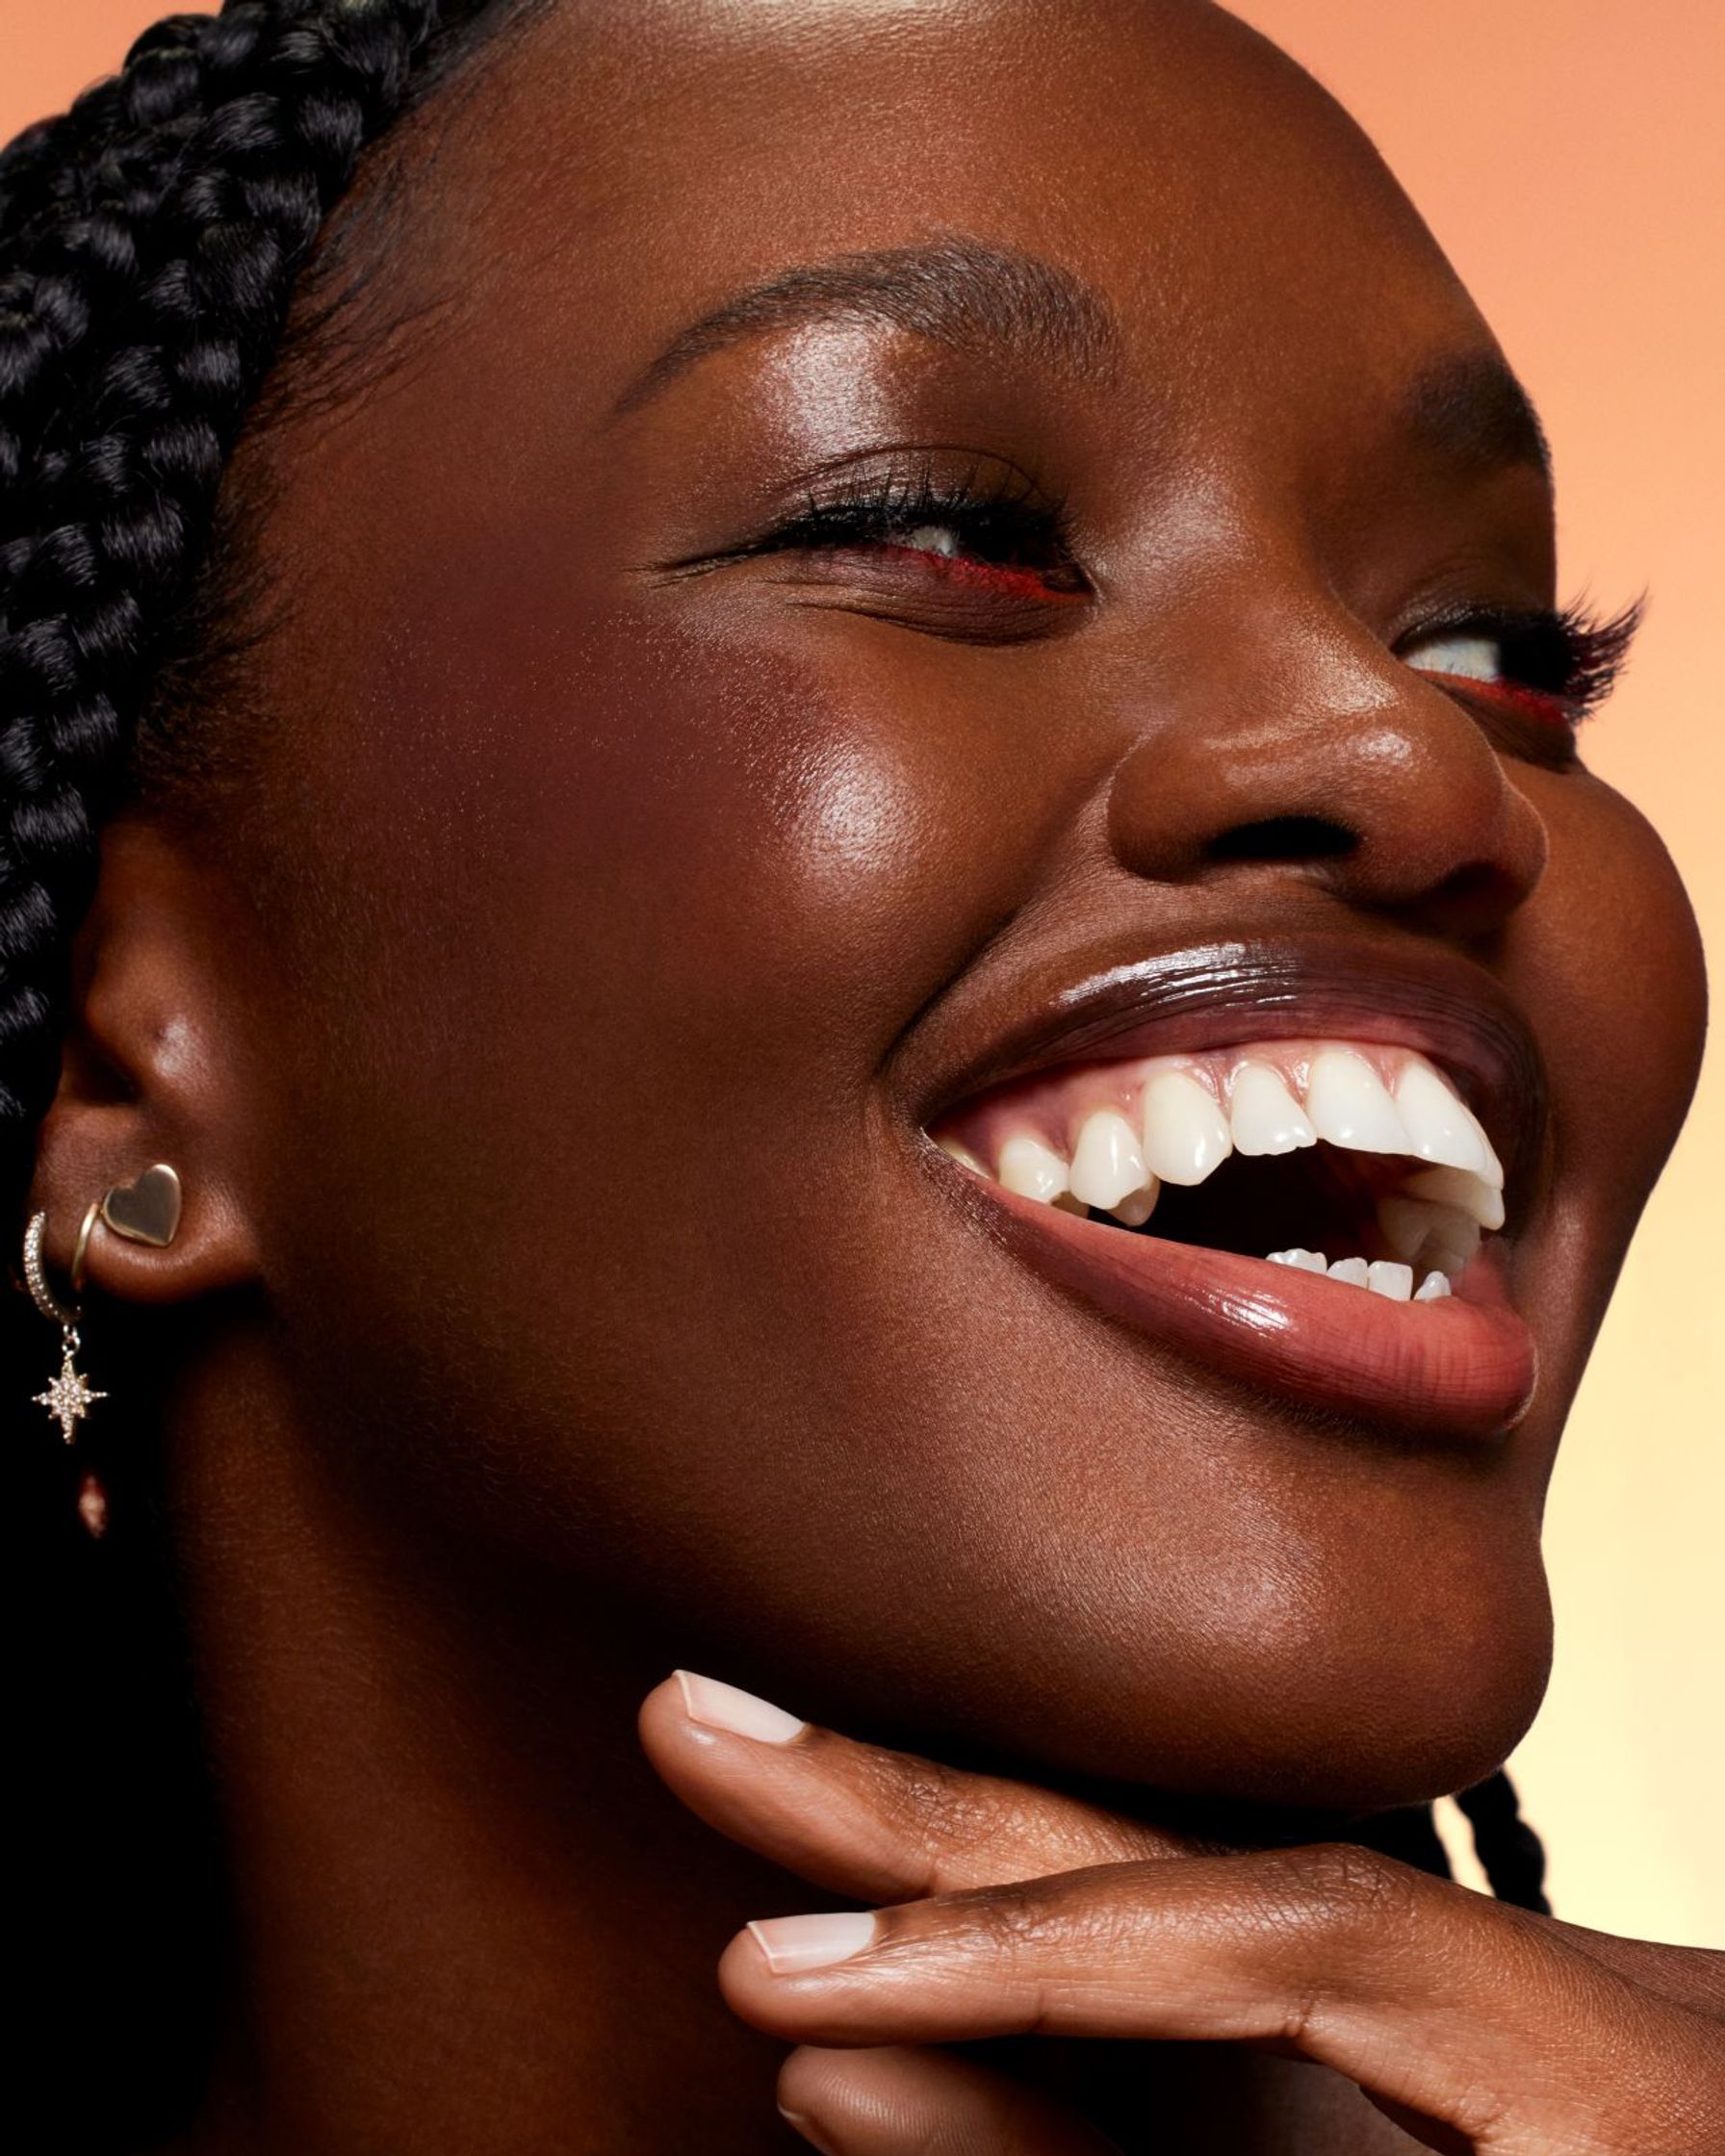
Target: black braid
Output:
{"points": [[1511, 1852], [149, 242]]}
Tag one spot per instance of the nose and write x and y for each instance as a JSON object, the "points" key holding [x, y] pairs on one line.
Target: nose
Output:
{"points": [[1333, 762]]}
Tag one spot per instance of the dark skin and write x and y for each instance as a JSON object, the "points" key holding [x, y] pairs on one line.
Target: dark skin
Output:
{"points": [[546, 1036]]}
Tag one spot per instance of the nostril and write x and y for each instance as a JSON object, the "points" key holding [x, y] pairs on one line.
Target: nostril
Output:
{"points": [[1284, 839]]}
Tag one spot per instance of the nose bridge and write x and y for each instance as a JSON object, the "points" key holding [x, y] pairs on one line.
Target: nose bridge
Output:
{"points": [[1290, 733]]}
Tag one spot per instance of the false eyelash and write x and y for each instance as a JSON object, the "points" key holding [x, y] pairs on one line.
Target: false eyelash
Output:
{"points": [[1599, 649], [1006, 511], [1570, 653]]}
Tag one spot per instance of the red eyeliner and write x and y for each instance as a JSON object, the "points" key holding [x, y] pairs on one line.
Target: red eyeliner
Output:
{"points": [[1534, 704], [1007, 579], [1550, 711]]}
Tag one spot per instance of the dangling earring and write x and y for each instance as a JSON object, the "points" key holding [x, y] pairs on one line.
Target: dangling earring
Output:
{"points": [[146, 1211], [68, 1397]]}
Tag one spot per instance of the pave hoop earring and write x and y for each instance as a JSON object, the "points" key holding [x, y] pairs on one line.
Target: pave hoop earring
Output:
{"points": [[69, 1395]]}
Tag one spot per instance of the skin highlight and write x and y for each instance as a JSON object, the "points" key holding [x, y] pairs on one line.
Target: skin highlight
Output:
{"points": [[548, 1034]]}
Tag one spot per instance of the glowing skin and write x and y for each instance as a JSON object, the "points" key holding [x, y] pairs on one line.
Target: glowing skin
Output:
{"points": [[559, 1014]]}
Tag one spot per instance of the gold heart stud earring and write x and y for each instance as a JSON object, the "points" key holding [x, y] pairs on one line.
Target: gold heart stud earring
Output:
{"points": [[146, 1211]]}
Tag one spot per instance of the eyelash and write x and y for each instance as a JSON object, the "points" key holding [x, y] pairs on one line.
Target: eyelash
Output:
{"points": [[1013, 536], [1006, 526], [1565, 660]]}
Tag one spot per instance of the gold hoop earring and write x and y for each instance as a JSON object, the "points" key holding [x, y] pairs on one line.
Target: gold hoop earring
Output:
{"points": [[69, 1396], [93, 1213]]}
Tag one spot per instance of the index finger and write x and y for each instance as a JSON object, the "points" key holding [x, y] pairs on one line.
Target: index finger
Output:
{"points": [[866, 1820], [1467, 2015]]}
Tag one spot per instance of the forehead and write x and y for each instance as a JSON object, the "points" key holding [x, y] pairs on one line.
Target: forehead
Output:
{"points": [[619, 172]]}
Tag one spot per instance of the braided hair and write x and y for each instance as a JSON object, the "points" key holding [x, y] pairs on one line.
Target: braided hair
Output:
{"points": [[150, 243], [152, 240]]}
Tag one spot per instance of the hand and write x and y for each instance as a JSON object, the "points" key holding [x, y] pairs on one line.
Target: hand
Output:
{"points": [[1015, 1911]]}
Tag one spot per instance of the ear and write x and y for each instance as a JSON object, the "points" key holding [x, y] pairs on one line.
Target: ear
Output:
{"points": [[143, 1077]]}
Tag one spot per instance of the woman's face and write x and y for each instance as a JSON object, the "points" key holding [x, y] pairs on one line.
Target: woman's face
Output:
{"points": [[646, 868]]}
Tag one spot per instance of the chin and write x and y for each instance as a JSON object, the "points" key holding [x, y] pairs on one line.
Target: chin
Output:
{"points": [[1286, 1676], [1370, 1711], [1353, 1753]]}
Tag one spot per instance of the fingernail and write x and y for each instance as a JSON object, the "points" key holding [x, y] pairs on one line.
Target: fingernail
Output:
{"points": [[722, 1706], [806, 2126], [813, 1942]]}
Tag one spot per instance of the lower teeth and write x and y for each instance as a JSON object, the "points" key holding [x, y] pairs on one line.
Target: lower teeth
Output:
{"points": [[1382, 1277]]}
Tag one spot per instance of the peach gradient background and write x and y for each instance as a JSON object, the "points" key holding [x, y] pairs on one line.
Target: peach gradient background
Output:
{"points": [[1568, 154]]}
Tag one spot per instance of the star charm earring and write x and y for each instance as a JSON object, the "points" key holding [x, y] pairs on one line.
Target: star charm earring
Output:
{"points": [[70, 1394]]}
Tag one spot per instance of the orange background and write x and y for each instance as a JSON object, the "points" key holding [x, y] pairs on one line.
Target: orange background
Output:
{"points": [[1568, 154]]}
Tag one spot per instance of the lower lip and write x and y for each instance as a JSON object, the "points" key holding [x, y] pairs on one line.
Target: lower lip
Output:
{"points": [[1463, 1366]]}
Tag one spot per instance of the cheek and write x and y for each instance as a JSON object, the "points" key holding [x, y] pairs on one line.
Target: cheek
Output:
{"points": [[644, 909], [678, 861], [709, 847], [1608, 962], [1614, 978]]}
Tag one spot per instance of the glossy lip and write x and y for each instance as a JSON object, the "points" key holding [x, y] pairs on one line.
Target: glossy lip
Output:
{"points": [[1465, 1367]]}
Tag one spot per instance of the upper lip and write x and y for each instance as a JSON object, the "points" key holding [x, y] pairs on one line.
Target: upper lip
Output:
{"points": [[1105, 1003]]}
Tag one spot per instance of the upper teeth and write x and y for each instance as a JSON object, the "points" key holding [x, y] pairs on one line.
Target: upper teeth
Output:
{"points": [[1109, 1134]]}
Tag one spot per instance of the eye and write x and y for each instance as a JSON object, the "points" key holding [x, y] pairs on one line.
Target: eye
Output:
{"points": [[1012, 547], [982, 532], [1554, 666]]}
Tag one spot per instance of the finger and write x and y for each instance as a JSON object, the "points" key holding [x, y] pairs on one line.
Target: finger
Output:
{"points": [[901, 2101], [888, 1826], [1694, 1975], [863, 1820], [1452, 2006]]}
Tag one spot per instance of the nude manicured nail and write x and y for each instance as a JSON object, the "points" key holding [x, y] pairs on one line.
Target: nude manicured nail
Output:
{"points": [[813, 1942], [722, 1706]]}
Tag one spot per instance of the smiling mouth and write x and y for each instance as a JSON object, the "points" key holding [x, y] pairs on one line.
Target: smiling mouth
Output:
{"points": [[1353, 1160], [1318, 1216]]}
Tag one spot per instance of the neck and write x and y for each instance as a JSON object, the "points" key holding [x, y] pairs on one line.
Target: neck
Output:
{"points": [[466, 1914]]}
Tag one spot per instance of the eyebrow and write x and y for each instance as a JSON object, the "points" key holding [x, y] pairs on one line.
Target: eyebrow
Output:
{"points": [[1470, 409], [958, 292], [1467, 406]]}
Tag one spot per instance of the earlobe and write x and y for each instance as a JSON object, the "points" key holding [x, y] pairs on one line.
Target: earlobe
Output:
{"points": [[209, 1249], [133, 1158]]}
